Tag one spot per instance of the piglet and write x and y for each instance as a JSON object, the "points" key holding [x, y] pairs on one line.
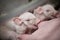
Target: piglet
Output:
{"points": [[45, 12], [21, 23]]}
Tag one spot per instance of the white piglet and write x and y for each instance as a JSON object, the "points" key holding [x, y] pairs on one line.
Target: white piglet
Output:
{"points": [[21, 23]]}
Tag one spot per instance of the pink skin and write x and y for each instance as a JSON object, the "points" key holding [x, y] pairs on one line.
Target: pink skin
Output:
{"points": [[48, 30]]}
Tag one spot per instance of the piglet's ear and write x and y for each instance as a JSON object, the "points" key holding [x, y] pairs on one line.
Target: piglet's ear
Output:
{"points": [[13, 19], [38, 10], [17, 20]]}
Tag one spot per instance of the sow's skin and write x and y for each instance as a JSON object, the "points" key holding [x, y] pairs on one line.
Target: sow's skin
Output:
{"points": [[48, 30]]}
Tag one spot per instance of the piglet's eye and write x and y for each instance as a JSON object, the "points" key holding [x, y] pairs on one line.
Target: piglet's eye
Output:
{"points": [[47, 10], [28, 20]]}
